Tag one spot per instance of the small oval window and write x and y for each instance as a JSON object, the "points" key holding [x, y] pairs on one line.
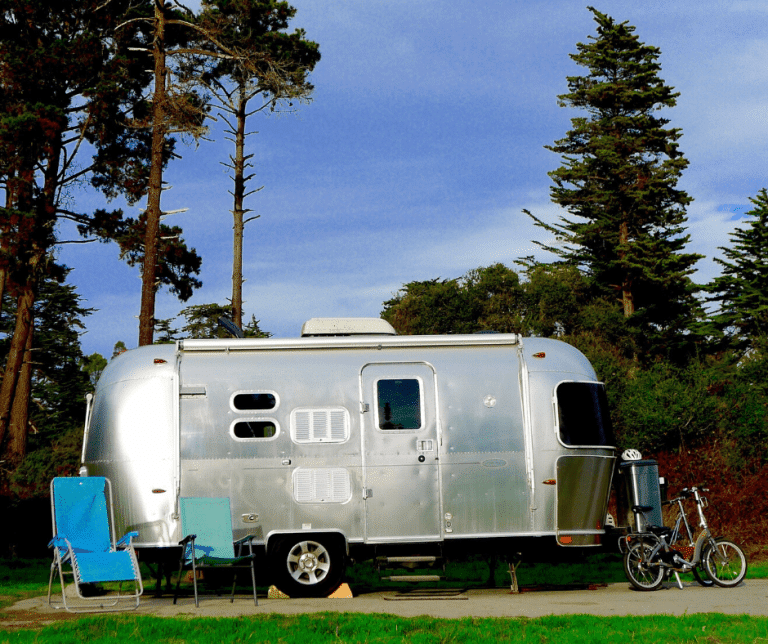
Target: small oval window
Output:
{"points": [[254, 402], [254, 429]]}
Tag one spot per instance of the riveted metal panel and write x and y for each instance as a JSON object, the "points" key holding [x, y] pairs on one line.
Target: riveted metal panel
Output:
{"points": [[478, 464]]}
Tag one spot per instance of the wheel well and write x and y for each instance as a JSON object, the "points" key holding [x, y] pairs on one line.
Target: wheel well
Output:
{"points": [[274, 539]]}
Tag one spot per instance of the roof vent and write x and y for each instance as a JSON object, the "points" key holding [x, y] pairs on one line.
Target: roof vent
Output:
{"points": [[346, 326]]}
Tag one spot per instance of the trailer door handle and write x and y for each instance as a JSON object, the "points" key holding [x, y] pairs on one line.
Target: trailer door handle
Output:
{"points": [[425, 446]]}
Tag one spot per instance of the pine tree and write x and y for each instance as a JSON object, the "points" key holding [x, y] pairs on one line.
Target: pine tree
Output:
{"points": [[271, 70], [618, 180], [60, 81], [742, 289]]}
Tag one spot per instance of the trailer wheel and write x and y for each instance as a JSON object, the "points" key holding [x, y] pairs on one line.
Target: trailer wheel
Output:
{"points": [[311, 566]]}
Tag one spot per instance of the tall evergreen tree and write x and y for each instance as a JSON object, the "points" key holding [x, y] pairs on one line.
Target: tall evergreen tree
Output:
{"points": [[56, 385], [618, 180], [742, 289], [59, 81], [178, 41], [272, 71]]}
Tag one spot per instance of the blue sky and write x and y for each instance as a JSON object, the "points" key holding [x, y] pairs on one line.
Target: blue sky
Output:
{"points": [[422, 145]]}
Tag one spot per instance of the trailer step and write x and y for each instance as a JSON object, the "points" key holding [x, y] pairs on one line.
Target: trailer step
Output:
{"points": [[408, 560], [423, 567]]}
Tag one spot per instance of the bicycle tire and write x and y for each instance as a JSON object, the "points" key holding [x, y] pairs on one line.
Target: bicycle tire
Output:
{"points": [[725, 563], [701, 576], [642, 574]]}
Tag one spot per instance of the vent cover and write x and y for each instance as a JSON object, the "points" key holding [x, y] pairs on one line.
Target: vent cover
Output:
{"points": [[320, 425], [321, 485], [346, 326]]}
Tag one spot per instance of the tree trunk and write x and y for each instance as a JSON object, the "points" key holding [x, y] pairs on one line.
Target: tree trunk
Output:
{"points": [[238, 212], [149, 269], [15, 357], [627, 298], [34, 240], [3, 265], [18, 428]]}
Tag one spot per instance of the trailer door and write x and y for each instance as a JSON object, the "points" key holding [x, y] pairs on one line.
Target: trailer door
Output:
{"points": [[400, 452]]}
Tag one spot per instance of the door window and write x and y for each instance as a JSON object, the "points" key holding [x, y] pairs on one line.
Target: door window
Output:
{"points": [[399, 404]]}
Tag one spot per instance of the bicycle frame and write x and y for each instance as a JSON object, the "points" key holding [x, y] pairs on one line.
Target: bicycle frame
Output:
{"points": [[653, 554], [676, 562]]}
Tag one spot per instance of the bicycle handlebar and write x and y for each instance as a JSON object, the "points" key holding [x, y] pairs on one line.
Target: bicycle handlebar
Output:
{"points": [[687, 491]]}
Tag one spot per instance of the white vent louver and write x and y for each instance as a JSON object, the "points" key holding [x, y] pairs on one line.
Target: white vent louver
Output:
{"points": [[321, 485], [329, 425]]}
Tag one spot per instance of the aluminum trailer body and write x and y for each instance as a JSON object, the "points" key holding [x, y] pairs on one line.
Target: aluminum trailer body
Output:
{"points": [[356, 441]]}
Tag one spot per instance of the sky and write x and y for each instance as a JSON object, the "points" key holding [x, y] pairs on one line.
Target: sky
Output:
{"points": [[423, 144]]}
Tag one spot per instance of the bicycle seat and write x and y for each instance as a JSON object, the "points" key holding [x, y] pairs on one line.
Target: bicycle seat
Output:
{"points": [[659, 530]]}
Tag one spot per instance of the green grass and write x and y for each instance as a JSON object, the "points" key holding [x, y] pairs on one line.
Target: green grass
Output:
{"points": [[21, 578], [378, 628]]}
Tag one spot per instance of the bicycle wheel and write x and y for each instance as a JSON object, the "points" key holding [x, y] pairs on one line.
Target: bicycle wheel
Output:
{"points": [[700, 575], [725, 563], [643, 574]]}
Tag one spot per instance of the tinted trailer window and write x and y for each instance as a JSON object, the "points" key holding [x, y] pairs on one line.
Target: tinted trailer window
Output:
{"points": [[582, 412]]}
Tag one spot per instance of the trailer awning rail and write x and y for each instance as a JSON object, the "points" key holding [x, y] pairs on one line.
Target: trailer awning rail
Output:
{"points": [[349, 342]]}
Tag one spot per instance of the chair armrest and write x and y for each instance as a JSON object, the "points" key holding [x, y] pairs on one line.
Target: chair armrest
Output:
{"points": [[58, 542], [244, 539], [126, 539], [63, 547], [188, 551], [240, 542]]}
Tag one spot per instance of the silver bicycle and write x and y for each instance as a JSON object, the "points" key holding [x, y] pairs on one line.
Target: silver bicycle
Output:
{"points": [[658, 552]]}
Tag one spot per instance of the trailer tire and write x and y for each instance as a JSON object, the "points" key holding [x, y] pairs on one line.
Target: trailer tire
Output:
{"points": [[308, 565]]}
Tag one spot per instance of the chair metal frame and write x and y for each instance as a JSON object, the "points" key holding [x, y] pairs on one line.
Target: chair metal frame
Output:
{"points": [[213, 556], [91, 560]]}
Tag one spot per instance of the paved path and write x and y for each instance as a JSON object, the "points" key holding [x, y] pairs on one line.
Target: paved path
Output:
{"points": [[751, 597]]}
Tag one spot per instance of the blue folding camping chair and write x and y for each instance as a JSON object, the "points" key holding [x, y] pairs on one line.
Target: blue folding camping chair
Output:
{"points": [[84, 542], [207, 524]]}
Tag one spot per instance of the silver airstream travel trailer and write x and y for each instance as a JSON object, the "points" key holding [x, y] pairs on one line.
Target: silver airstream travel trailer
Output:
{"points": [[352, 439]]}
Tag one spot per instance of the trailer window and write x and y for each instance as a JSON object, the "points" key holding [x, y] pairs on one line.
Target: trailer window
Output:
{"points": [[582, 413], [399, 404], [245, 429], [254, 401]]}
